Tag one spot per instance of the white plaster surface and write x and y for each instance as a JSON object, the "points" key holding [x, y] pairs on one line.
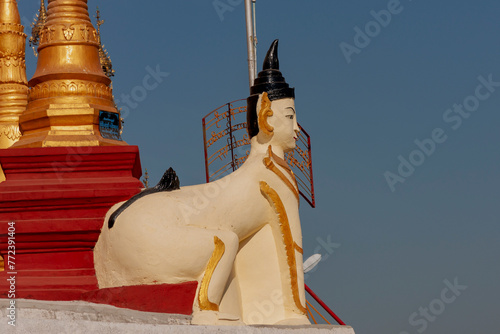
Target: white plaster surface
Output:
{"points": [[168, 237], [33, 316]]}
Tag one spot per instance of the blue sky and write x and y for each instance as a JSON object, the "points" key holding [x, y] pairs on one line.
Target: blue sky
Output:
{"points": [[391, 252]]}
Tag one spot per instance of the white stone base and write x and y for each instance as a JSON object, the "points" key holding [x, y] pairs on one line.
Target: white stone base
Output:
{"points": [[33, 316]]}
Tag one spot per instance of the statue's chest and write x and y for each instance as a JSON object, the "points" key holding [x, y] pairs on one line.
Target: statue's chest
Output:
{"points": [[280, 178]]}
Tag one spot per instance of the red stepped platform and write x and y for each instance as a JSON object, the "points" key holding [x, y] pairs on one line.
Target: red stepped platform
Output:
{"points": [[165, 298], [58, 198]]}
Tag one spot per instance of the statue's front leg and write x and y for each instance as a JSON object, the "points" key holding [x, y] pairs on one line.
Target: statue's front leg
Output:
{"points": [[213, 281], [288, 236]]}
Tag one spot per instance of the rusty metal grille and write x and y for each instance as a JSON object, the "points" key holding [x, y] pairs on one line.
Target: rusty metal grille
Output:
{"points": [[227, 146]]}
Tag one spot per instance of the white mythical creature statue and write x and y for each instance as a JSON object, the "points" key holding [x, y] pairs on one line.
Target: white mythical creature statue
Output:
{"points": [[238, 237]]}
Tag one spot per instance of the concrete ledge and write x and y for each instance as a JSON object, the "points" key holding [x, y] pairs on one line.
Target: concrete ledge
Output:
{"points": [[33, 316]]}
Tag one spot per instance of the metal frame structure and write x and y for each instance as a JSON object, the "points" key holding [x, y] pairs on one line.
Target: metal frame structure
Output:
{"points": [[229, 122]]}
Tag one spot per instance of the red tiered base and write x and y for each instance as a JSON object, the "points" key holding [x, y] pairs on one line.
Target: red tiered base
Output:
{"points": [[58, 198], [165, 298]]}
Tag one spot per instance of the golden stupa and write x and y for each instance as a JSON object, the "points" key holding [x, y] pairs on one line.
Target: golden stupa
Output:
{"points": [[69, 88], [13, 83]]}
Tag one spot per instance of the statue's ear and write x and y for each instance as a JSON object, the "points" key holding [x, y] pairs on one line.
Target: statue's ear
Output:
{"points": [[265, 112]]}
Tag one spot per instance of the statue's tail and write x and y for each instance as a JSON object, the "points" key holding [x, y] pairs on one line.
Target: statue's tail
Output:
{"points": [[168, 182]]}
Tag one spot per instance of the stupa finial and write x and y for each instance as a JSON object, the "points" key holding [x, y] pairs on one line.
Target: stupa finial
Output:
{"points": [[106, 64], [37, 26]]}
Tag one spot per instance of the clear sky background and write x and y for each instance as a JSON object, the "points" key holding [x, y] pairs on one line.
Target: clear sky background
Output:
{"points": [[387, 254]]}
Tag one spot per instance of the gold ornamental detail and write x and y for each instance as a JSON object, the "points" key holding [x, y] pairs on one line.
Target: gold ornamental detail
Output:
{"points": [[66, 34], [11, 131], [70, 88], [298, 248], [12, 54], [272, 167], [15, 59], [290, 246], [85, 33], [106, 64], [205, 303], [12, 27], [265, 112], [37, 26], [268, 162], [13, 70]]}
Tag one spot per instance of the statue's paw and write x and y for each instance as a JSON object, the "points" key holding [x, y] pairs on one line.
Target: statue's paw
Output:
{"points": [[214, 318], [296, 321]]}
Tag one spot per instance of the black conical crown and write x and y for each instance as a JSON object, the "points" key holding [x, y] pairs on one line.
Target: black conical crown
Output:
{"points": [[272, 62], [270, 80]]}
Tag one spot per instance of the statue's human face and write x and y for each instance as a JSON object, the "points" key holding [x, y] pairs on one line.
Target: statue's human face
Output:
{"points": [[284, 122]]}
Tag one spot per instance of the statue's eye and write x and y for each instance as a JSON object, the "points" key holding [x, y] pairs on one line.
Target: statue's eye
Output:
{"points": [[289, 116]]}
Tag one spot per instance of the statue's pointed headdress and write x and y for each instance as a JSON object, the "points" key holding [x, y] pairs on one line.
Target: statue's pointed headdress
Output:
{"points": [[271, 81]]}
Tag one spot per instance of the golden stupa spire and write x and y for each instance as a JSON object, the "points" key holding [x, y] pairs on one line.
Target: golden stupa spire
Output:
{"points": [[106, 64], [38, 25], [69, 89], [13, 83]]}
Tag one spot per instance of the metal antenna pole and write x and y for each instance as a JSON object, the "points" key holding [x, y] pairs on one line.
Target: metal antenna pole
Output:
{"points": [[254, 38], [251, 38]]}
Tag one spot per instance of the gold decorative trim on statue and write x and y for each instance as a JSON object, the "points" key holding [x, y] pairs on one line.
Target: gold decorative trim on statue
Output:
{"points": [[264, 113], [205, 303], [298, 248], [272, 167], [283, 164], [275, 201]]}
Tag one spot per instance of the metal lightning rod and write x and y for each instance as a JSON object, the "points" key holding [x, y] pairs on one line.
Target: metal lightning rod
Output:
{"points": [[251, 40]]}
